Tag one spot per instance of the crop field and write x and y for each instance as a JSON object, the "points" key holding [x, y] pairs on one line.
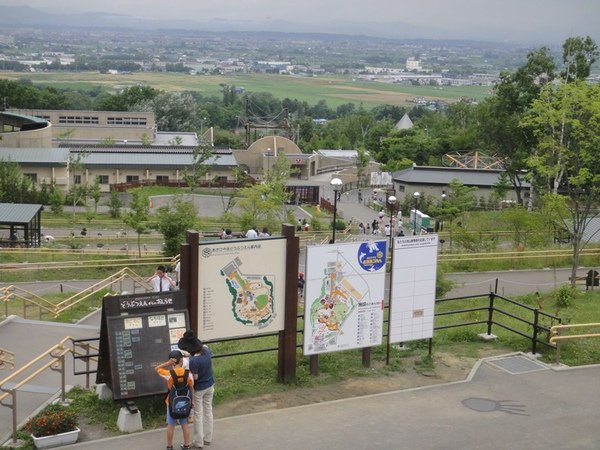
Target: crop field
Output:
{"points": [[336, 90]]}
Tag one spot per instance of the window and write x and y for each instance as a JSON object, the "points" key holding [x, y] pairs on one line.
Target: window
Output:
{"points": [[132, 178], [126, 121], [77, 179], [31, 176], [162, 179], [78, 119], [103, 179]]}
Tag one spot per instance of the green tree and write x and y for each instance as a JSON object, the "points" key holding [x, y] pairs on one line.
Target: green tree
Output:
{"points": [[499, 116], [56, 200], [264, 204], [201, 157], [173, 221], [114, 204], [14, 186], [566, 123], [95, 192], [138, 216], [579, 54]]}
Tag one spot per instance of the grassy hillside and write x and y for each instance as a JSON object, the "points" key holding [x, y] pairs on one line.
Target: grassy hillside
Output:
{"points": [[335, 90]]}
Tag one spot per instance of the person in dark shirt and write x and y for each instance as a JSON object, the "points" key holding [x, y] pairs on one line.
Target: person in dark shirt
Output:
{"points": [[200, 364]]}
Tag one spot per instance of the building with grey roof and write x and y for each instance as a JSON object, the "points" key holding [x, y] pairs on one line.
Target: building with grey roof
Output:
{"points": [[434, 181]]}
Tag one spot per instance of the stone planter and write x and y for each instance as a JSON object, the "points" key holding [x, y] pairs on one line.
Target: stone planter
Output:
{"points": [[56, 440]]}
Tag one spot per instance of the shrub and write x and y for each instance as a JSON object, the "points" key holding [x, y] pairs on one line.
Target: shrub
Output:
{"points": [[55, 419]]}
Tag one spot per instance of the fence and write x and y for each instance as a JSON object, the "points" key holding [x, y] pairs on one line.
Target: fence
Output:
{"points": [[556, 337], [56, 354], [492, 309]]}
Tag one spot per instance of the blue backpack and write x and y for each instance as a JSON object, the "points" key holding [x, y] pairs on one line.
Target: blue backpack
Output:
{"points": [[180, 396]]}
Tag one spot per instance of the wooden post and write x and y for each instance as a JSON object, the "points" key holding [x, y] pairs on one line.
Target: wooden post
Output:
{"points": [[189, 275], [286, 372]]}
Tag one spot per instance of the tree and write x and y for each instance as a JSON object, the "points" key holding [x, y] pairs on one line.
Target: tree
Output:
{"points": [[173, 221], [114, 204], [579, 54], [56, 200], [566, 123], [95, 192], [138, 215], [14, 186], [199, 167], [499, 116], [264, 204]]}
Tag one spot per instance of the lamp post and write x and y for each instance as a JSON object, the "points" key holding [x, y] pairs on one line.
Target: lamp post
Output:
{"points": [[443, 204], [336, 184], [392, 202], [416, 195]]}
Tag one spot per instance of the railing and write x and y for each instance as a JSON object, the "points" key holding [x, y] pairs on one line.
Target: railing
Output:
{"points": [[493, 310], [556, 338], [12, 292], [57, 363], [7, 358]]}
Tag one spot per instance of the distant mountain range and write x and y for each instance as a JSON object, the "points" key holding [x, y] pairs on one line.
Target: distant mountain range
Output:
{"points": [[27, 16]]}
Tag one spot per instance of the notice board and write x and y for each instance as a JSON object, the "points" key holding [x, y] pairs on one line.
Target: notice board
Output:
{"points": [[137, 333]]}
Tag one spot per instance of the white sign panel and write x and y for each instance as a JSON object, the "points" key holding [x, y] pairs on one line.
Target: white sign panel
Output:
{"points": [[241, 288], [344, 296], [413, 288]]}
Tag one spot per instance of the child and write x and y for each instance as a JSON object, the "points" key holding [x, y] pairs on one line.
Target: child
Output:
{"points": [[176, 363]]}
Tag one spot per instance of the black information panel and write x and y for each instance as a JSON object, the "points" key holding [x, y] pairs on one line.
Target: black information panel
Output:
{"points": [[137, 333], [138, 343]]}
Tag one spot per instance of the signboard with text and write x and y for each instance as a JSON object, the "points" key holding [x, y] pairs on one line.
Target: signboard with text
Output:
{"points": [[241, 287]]}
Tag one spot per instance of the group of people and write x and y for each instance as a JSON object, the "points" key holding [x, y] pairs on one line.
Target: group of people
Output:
{"points": [[380, 227], [195, 358]]}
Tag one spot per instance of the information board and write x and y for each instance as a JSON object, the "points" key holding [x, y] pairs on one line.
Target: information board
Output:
{"points": [[412, 306], [344, 292], [241, 287], [137, 333]]}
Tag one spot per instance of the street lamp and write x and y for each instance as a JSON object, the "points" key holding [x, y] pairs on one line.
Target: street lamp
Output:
{"points": [[336, 184], [392, 202], [416, 195], [441, 228]]}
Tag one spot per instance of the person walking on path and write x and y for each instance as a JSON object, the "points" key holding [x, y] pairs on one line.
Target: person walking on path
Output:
{"points": [[175, 362], [204, 388]]}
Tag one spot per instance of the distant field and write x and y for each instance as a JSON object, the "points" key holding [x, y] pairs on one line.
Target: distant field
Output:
{"points": [[335, 90]]}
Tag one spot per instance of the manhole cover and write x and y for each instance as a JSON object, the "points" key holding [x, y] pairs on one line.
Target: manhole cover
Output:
{"points": [[518, 364]]}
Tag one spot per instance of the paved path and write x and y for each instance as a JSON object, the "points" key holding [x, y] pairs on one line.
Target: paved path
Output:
{"points": [[493, 409]]}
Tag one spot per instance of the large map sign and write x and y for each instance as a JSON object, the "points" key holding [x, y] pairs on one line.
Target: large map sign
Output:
{"points": [[344, 296], [413, 288], [241, 287]]}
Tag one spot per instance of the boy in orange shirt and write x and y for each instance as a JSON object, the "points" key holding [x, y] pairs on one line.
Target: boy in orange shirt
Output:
{"points": [[176, 363]]}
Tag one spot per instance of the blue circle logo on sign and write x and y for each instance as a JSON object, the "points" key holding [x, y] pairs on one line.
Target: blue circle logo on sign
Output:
{"points": [[371, 255]]}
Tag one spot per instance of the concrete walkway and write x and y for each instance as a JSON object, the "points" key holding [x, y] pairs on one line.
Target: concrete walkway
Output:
{"points": [[493, 409]]}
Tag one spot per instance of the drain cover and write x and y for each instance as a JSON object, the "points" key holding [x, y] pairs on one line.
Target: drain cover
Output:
{"points": [[518, 364]]}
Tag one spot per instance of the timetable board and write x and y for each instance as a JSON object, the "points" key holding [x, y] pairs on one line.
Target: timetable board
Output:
{"points": [[137, 333]]}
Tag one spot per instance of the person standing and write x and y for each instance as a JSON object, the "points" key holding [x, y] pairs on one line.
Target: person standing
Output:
{"points": [[175, 363], [160, 281], [252, 233], [204, 388]]}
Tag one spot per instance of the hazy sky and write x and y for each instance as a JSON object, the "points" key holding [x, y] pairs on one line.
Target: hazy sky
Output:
{"points": [[496, 17]]}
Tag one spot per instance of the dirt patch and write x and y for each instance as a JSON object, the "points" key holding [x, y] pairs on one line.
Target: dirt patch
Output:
{"points": [[446, 368]]}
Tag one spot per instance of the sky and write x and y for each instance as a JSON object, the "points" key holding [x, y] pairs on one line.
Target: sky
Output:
{"points": [[497, 19]]}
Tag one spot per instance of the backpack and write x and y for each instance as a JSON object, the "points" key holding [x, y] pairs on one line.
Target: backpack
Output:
{"points": [[180, 396]]}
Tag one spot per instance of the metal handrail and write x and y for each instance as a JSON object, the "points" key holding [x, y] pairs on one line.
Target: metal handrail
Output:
{"points": [[57, 352], [556, 338], [7, 358]]}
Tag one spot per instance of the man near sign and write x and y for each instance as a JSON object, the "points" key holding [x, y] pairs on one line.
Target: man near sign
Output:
{"points": [[160, 281]]}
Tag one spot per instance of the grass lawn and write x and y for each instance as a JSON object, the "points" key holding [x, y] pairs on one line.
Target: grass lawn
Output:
{"points": [[336, 90]]}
